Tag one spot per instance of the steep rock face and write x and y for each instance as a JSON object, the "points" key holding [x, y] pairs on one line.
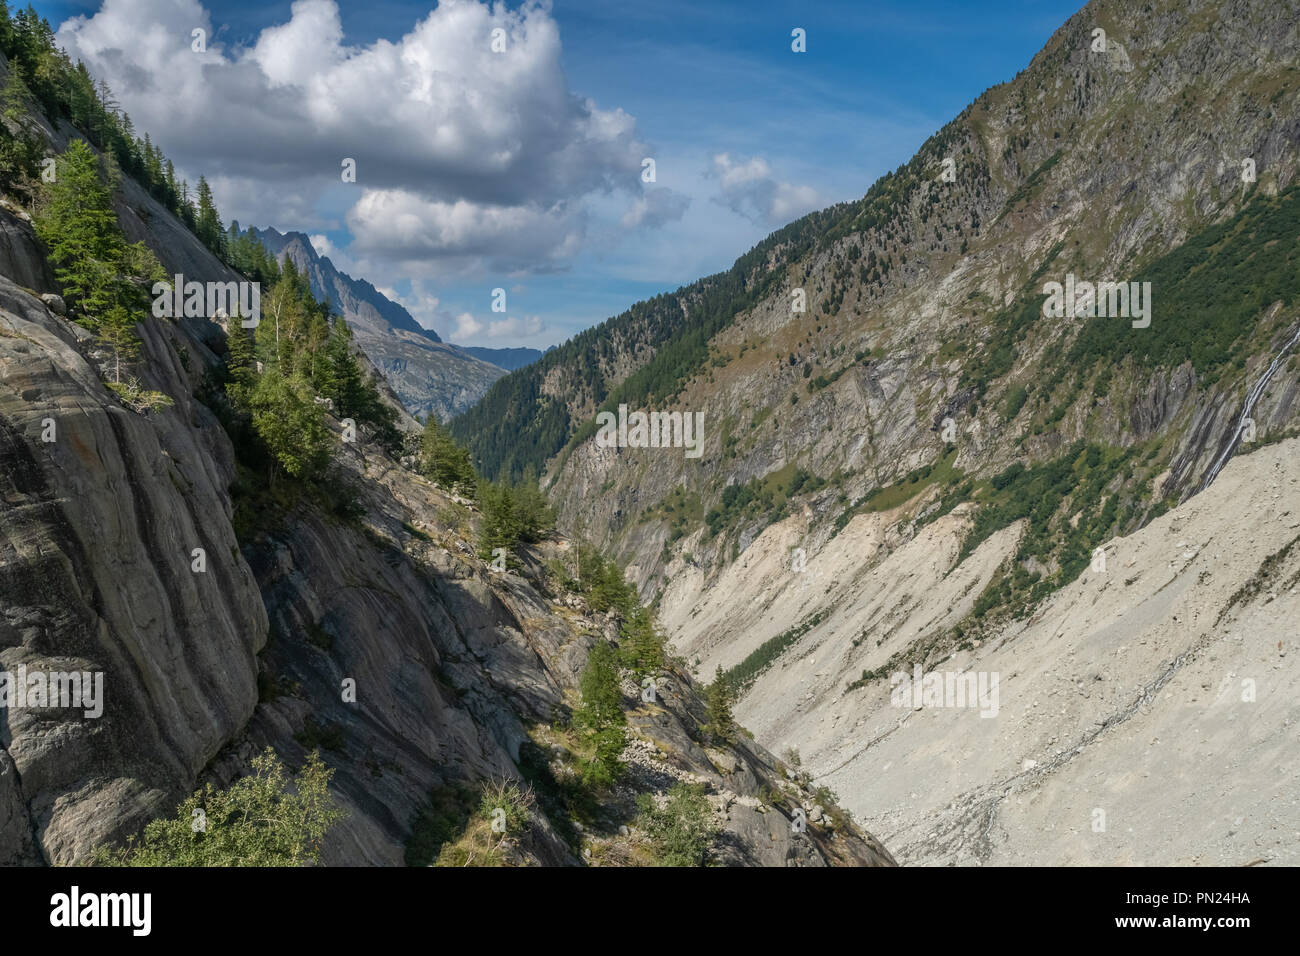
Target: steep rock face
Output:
{"points": [[453, 666], [99, 529], [19, 260]]}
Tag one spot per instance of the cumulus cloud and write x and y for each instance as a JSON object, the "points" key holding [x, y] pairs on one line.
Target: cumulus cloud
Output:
{"points": [[748, 187], [478, 153], [655, 208], [467, 327], [322, 245], [400, 225], [513, 328]]}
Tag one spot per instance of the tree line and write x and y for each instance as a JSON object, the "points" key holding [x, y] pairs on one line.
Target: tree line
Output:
{"points": [[40, 71], [105, 279], [283, 378]]}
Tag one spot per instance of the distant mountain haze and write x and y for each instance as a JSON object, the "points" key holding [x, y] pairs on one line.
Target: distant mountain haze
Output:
{"points": [[428, 374], [508, 359]]}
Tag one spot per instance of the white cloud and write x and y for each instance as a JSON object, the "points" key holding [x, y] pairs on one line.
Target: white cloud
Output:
{"points": [[484, 155], [467, 327], [322, 245], [749, 189], [656, 207], [516, 331], [403, 226]]}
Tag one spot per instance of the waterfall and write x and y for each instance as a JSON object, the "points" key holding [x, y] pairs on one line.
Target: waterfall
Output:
{"points": [[1251, 398]]}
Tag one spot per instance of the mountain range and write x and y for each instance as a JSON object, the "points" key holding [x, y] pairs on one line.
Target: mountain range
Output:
{"points": [[227, 609], [429, 375], [1003, 578], [913, 459]]}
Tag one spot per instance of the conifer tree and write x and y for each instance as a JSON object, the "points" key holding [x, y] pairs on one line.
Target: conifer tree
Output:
{"points": [[79, 226], [117, 328], [600, 715], [208, 227], [720, 698], [500, 524], [442, 461], [341, 373], [292, 425], [536, 517], [241, 364], [640, 647]]}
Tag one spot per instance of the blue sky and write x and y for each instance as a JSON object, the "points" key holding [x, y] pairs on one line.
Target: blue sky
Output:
{"points": [[522, 171]]}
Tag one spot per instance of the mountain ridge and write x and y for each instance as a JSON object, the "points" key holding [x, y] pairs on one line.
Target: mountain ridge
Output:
{"points": [[924, 394], [428, 374], [229, 607]]}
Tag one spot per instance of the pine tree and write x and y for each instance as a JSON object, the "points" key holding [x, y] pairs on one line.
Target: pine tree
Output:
{"points": [[125, 147], [641, 648], [342, 380], [6, 30], [292, 425], [600, 715], [153, 167], [442, 461], [173, 190], [720, 698], [500, 524], [241, 365], [117, 328], [536, 517], [209, 228], [79, 226], [186, 207]]}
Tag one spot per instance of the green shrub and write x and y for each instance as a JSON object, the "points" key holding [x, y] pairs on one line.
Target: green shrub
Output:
{"points": [[264, 819], [600, 716], [683, 830]]}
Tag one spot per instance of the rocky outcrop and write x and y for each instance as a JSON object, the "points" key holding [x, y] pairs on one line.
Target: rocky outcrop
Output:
{"points": [[356, 620], [117, 557], [19, 259]]}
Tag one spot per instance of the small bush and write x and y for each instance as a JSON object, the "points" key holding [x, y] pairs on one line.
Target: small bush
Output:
{"points": [[683, 830], [264, 819]]}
